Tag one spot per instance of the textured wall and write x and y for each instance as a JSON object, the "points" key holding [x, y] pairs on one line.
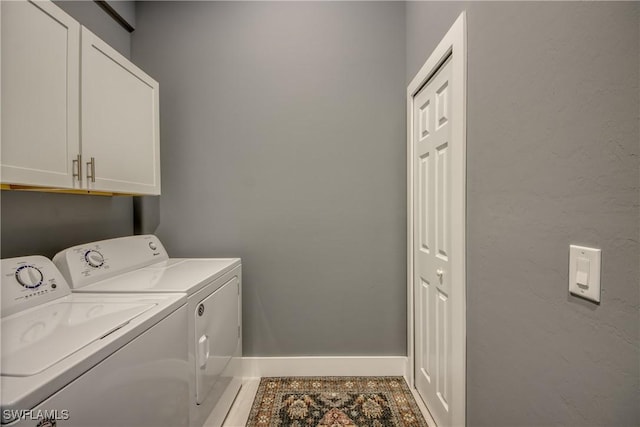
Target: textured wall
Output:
{"points": [[40, 223], [283, 132], [553, 144]]}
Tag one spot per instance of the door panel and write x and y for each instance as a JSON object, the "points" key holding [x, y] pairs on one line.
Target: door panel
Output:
{"points": [[441, 199], [425, 294], [423, 203], [443, 336], [432, 251], [424, 120], [442, 101]]}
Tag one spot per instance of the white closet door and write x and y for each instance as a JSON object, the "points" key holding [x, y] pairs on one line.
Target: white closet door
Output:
{"points": [[120, 123], [432, 251], [40, 99]]}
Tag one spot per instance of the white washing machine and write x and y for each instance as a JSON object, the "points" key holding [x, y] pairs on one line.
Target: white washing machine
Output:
{"points": [[213, 288], [88, 359]]}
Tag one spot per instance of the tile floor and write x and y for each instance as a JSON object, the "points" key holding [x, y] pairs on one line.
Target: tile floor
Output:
{"points": [[239, 412]]}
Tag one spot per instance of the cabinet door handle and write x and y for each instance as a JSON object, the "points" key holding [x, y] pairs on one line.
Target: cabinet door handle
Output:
{"points": [[91, 166], [77, 166]]}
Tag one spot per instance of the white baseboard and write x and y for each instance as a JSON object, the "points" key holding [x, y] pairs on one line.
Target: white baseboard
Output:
{"points": [[325, 366]]}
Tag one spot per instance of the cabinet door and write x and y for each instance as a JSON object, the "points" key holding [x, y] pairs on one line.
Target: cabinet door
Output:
{"points": [[40, 99], [120, 127]]}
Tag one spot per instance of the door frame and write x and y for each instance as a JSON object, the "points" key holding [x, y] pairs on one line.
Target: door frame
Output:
{"points": [[453, 44]]}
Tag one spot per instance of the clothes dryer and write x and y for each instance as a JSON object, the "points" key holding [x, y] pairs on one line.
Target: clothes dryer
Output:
{"points": [[213, 287]]}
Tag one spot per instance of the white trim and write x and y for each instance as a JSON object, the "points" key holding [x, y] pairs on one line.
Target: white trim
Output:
{"points": [[454, 43], [324, 366]]}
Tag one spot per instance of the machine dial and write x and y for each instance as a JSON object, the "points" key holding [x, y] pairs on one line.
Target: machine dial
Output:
{"points": [[94, 258], [29, 276]]}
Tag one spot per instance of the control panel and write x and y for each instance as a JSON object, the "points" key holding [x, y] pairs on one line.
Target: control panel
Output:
{"points": [[91, 262], [29, 281]]}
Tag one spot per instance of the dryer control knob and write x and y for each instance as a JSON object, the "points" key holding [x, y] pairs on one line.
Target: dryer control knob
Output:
{"points": [[94, 258], [29, 276]]}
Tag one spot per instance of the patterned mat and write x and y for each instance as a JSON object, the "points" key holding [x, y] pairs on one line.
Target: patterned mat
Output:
{"points": [[334, 402]]}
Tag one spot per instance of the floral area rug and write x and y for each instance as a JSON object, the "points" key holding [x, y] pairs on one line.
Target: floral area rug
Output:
{"points": [[334, 402]]}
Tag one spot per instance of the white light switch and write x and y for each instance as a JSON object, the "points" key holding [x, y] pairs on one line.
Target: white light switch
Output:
{"points": [[584, 272]]}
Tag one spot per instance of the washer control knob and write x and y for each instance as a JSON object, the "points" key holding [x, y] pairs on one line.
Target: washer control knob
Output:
{"points": [[29, 276], [94, 258], [153, 246]]}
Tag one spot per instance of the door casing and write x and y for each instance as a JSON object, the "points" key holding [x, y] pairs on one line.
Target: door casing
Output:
{"points": [[454, 44]]}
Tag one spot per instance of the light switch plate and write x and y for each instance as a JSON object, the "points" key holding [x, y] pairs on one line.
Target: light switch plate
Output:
{"points": [[584, 265]]}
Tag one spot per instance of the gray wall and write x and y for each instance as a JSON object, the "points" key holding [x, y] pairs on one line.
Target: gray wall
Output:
{"points": [[283, 132], [126, 10], [89, 14], [553, 146], [42, 223]]}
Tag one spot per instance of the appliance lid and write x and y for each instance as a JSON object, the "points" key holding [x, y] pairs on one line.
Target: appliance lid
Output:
{"points": [[185, 275], [35, 340]]}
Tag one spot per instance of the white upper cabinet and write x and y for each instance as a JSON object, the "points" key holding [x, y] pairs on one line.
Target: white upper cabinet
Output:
{"points": [[40, 94], [120, 127], [76, 114]]}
